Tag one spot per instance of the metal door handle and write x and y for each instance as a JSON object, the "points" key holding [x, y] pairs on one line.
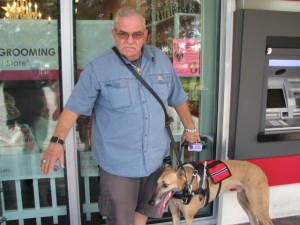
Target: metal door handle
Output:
{"points": [[2, 219]]}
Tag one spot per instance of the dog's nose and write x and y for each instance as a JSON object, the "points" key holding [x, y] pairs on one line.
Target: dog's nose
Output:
{"points": [[151, 202]]}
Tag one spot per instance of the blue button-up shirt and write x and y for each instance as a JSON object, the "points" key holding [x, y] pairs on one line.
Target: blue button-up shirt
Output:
{"points": [[129, 137]]}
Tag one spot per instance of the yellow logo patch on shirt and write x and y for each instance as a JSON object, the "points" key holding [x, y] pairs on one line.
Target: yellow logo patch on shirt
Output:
{"points": [[159, 78]]}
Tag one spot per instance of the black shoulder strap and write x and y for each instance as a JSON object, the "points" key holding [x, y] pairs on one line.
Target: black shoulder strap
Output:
{"points": [[167, 118], [134, 72]]}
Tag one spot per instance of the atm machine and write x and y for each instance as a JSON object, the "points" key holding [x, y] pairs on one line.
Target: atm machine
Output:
{"points": [[265, 89], [281, 96]]}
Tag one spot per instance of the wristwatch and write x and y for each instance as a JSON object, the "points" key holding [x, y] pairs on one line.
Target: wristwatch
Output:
{"points": [[57, 140]]}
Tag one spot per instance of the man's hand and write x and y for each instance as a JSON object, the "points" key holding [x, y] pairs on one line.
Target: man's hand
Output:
{"points": [[53, 153], [190, 137]]}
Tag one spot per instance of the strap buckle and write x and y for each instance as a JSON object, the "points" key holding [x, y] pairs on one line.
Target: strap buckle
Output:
{"points": [[167, 122], [195, 173], [187, 193]]}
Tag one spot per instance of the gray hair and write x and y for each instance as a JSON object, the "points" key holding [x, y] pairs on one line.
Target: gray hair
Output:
{"points": [[126, 11]]}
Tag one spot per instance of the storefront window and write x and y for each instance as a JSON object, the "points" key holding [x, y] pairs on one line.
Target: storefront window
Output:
{"points": [[31, 96], [30, 106]]}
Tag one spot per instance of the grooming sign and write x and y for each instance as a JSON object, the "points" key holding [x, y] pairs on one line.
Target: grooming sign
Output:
{"points": [[29, 49]]}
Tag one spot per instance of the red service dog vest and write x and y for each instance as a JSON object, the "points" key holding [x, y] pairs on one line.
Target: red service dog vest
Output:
{"points": [[217, 170]]}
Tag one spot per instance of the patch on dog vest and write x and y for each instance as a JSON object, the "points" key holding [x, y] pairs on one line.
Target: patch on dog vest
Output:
{"points": [[217, 170]]}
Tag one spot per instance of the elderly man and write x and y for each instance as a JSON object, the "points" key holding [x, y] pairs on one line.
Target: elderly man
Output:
{"points": [[129, 139]]}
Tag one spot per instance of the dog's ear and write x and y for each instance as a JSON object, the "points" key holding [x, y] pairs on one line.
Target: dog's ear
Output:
{"points": [[180, 173], [167, 167]]}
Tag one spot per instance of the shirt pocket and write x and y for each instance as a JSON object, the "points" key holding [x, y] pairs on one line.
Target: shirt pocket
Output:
{"points": [[119, 94], [161, 85]]}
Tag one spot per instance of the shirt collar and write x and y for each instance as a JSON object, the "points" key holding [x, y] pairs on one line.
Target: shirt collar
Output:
{"points": [[147, 53]]}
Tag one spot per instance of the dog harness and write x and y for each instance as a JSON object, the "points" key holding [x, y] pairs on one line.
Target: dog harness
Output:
{"points": [[216, 169]]}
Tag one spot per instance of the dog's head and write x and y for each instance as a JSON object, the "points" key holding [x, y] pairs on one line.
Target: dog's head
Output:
{"points": [[168, 183]]}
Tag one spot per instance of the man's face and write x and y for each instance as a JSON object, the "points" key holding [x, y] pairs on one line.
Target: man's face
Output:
{"points": [[130, 45]]}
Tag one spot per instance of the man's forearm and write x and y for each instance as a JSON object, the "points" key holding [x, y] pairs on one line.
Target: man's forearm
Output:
{"points": [[190, 134], [185, 115], [65, 123]]}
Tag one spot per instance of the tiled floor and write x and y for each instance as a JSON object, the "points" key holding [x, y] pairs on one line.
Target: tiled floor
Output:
{"points": [[295, 220]]}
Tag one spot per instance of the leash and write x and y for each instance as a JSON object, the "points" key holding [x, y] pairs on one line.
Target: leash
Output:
{"points": [[167, 118]]}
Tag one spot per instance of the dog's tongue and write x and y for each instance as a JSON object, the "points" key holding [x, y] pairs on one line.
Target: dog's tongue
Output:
{"points": [[163, 204]]}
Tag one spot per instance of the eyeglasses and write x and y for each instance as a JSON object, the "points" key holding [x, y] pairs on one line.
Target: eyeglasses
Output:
{"points": [[135, 35]]}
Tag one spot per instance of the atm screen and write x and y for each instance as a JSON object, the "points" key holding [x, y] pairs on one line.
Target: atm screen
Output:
{"points": [[284, 62], [275, 98]]}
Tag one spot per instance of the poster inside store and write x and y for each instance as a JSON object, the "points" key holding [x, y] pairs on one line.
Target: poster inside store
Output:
{"points": [[186, 57]]}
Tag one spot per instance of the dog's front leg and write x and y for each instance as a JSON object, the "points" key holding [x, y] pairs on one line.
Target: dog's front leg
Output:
{"points": [[174, 209]]}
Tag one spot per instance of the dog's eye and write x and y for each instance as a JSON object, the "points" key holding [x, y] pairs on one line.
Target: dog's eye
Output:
{"points": [[165, 185]]}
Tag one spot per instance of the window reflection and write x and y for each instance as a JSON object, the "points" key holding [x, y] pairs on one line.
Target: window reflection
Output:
{"points": [[30, 106], [47, 8]]}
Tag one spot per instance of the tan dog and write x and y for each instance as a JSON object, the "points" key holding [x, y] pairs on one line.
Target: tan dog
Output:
{"points": [[248, 179]]}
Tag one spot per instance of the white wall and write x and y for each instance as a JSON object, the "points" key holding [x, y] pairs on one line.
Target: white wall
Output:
{"points": [[284, 202]]}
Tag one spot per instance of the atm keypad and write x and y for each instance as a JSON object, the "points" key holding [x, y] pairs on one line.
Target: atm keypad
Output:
{"points": [[277, 123]]}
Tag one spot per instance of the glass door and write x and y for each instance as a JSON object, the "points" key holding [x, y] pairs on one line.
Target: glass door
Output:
{"points": [[93, 27], [30, 99], [174, 26]]}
